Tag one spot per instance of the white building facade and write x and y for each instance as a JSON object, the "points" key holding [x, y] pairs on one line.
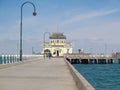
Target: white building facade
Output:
{"points": [[58, 45]]}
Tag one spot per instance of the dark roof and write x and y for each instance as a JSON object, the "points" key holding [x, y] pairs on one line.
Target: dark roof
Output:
{"points": [[57, 36]]}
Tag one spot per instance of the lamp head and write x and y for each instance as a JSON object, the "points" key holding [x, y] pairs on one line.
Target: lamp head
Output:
{"points": [[34, 13]]}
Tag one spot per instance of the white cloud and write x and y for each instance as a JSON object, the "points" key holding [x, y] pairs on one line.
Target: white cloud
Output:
{"points": [[104, 32], [94, 14]]}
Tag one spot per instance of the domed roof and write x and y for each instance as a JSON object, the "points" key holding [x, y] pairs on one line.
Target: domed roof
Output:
{"points": [[57, 36]]}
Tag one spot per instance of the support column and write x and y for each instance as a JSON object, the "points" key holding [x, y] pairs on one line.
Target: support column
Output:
{"points": [[119, 61]]}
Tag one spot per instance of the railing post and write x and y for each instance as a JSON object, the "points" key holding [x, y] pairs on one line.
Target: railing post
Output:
{"points": [[0, 59], [5, 59]]}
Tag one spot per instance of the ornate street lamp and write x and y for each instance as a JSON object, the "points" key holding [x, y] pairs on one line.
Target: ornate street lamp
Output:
{"points": [[34, 14]]}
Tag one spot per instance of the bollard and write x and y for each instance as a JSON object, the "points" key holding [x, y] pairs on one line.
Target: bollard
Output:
{"points": [[18, 58], [0, 59], [7, 56], [11, 59], [15, 58], [5, 59]]}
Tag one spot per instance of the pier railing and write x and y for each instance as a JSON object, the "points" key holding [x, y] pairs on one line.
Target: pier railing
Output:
{"points": [[10, 59], [5, 59], [86, 58]]}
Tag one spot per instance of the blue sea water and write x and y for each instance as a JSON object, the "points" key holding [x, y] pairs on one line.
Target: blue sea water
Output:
{"points": [[101, 76]]}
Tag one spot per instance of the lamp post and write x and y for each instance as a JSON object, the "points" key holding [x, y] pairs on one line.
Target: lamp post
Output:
{"points": [[44, 42], [34, 14]]}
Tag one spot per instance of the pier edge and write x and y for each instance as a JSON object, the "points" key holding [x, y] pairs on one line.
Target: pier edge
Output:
{"points": [[80, 81]]}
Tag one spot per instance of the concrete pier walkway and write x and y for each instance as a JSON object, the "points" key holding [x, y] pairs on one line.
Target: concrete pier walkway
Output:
{"points": [[49, 74]]}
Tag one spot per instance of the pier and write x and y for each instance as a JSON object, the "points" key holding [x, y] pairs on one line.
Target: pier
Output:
{"points": [[87, 58], [42, 74]]}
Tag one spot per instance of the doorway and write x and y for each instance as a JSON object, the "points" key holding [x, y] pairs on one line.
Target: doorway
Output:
{"points": [[57, 52]]}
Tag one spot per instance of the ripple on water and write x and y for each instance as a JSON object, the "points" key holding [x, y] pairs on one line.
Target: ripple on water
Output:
{"points": [[101, 76]]}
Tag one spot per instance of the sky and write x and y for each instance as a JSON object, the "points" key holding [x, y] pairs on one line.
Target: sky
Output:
{"points": [[91, 25]]}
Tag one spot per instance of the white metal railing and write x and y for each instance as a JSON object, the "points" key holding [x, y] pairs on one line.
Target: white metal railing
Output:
{"points": [[9, 59]]}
